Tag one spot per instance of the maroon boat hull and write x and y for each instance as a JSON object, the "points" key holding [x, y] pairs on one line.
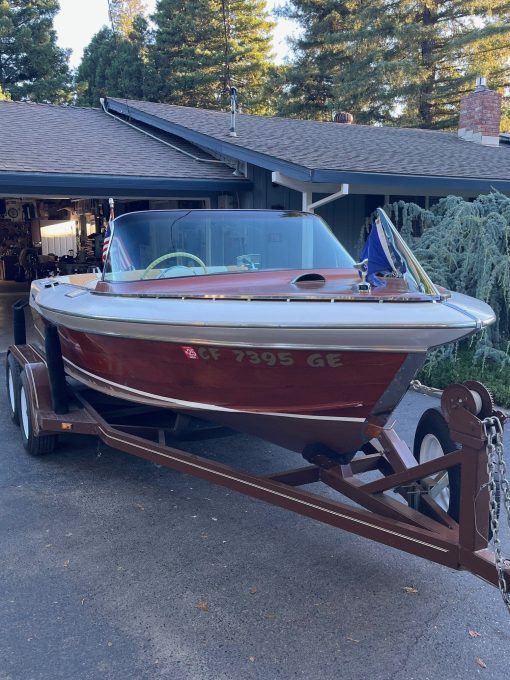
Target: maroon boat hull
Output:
{"points": [[295, 398]]}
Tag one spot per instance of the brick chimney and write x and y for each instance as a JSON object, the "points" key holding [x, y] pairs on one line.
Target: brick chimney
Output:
{"points": [[480, 115]]}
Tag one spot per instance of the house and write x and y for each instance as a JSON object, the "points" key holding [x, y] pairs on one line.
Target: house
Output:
{"points": [[59, 165], [65, 160]]}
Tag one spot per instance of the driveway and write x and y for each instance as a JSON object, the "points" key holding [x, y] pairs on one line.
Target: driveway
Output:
{"points": [[114, 568]]}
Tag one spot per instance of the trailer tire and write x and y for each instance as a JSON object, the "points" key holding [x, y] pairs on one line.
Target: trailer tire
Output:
{"points": [[431, 441], [12, 381], [33, 445]]}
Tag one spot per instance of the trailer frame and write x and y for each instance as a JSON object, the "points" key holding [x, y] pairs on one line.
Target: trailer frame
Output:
{"points": [[419, 526]]}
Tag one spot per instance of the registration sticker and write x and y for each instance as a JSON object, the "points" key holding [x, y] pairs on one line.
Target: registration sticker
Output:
{"points": [[189, 353]]}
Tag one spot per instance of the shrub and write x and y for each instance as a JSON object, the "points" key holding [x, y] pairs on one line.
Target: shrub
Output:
{"points": [[465, 246]]}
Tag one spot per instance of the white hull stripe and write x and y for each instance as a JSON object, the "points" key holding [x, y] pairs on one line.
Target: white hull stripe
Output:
{"points": [[198, 406]]}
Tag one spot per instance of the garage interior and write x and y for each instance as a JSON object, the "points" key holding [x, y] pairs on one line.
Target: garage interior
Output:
{"points": [[44, 237]]}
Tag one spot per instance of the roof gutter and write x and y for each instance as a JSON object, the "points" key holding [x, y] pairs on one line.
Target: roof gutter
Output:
{"points": [[117, 186], [307, 190], [442, 184]]}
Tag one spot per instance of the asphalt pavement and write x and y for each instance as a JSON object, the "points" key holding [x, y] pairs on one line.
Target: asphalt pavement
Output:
{"points": [[114, 568]]}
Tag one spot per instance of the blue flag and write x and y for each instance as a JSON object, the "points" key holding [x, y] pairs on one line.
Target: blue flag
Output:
{"points": [[379, 253]]}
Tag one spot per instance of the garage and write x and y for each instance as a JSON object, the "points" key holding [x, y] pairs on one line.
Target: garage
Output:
{"points": [[60, 165]]}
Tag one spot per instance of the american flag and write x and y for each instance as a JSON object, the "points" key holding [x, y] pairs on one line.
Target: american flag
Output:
{"points": [[108, 232], [106, 241], [119, 256]]}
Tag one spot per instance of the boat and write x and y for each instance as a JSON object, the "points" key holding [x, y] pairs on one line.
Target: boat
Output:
{"points": [[257, 320]]}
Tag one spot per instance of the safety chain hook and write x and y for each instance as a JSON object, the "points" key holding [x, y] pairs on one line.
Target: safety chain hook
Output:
{"points": [[496, 469]]}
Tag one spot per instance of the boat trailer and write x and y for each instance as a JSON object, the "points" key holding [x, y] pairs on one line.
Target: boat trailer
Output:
{"points": [[46, 403]]}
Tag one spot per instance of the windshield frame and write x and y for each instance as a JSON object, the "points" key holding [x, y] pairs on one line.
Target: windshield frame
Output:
{"points": [[415, 269]]}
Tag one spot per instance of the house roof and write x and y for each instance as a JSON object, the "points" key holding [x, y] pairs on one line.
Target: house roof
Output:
{"points": [[64, 146], [327, 151]]}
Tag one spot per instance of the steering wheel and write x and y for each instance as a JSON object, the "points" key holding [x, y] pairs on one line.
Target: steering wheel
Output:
{"points": [[167, 256]]}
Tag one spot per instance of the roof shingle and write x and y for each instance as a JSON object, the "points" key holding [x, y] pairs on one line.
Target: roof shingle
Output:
{"points": [[317, 145], [43, 138]]}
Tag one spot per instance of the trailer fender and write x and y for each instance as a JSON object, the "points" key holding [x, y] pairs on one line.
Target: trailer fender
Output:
{"points": [[12, 381], [34, 399]]}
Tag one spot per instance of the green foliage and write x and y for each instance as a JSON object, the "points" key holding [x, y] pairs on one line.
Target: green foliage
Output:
{"points": [[184, 60], [319, 58], [123, 14], [461, 365], [269, 91], [32, 66], [3, 96], [465, 246], [401, 62], [505, 115], [445, 45], [193, 44], [113, 65]]}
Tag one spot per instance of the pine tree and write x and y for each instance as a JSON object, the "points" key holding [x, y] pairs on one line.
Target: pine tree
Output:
{"points": [[324, 57], [505, 115], [405, 62], [123, 14], [32, 66], [113, 65], [445, 45], [202, 48], [309, 89]]}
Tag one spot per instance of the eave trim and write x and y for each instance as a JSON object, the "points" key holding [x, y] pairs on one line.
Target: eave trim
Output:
{"points": [[465, 184], [27, 183]]}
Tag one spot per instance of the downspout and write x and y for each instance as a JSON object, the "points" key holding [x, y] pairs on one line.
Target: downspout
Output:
{"points": [[306, 201]]}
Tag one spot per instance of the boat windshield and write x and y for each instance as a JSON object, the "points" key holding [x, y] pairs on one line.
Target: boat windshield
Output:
{"points": [[160, 244]]}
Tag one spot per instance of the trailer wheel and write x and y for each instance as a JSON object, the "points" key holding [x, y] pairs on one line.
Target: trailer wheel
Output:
{"points": [[35, 446], [431, 441], [12, 380]]}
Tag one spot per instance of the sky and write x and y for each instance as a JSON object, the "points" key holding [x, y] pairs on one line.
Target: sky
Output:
{"points": [[79, 20]]}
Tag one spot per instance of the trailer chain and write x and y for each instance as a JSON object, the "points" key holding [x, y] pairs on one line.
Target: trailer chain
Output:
{"points": [[496, 469]]}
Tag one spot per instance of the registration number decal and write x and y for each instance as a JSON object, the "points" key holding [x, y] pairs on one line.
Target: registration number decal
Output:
{"points": [[265, 357]]}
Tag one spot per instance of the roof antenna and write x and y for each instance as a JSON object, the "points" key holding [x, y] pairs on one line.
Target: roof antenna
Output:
{"points": [[233, 106], [227, 78]]}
